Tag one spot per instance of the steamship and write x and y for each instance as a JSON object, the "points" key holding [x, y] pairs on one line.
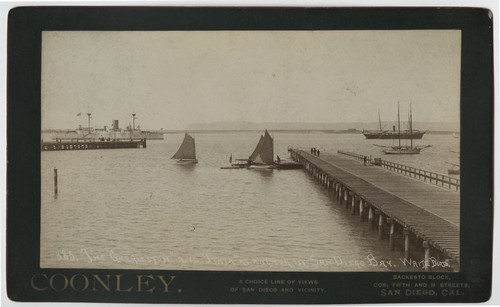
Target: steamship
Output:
{"points": [[392, 134], [106, 133]]}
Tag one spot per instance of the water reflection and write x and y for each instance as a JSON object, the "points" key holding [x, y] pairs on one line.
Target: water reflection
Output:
{"points": [[186, 166], [264, 173]]}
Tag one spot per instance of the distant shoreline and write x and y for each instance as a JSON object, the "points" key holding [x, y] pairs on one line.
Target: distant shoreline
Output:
{"points": [[329, 131]]}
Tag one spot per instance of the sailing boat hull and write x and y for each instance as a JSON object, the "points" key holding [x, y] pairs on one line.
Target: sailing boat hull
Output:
{"points": [[264, 166], [409, 151], [187, 161], [453, 172]]}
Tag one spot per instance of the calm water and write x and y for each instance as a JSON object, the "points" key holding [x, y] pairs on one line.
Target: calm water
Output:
{"points": [[136, 208]]}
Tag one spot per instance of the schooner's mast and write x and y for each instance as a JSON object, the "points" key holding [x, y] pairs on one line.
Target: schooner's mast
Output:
{"points": [[411, 128], [379, 121], [399, 129]]}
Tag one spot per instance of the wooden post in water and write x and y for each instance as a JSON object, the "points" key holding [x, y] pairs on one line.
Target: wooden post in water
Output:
{"points": [[346, 198], [55, 181], [427, 265], [391, 233], [406, 234], [361, 210], [353, 205], [370, 217], [380, 225], [454, 265]]}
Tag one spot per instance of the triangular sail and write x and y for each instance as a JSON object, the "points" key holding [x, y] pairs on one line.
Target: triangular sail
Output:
{"points": [[256, 151], [264, 151], [187, 150], [267, 150]]}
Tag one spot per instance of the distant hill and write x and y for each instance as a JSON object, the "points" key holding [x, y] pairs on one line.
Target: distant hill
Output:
{"points": [[229, 125]]}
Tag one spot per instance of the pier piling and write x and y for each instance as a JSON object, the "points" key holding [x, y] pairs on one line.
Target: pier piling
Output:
{"points": [[380, 224], [427, 266], [55, 181], [370, 217], [361, 210], [406, 234], [391, 233]]}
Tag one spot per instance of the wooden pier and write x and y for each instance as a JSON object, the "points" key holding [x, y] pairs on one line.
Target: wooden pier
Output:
{"points": [[405, 209], [87, 144]]}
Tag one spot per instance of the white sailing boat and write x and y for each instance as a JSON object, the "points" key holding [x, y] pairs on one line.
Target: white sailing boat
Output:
{"points": [[263, 154], [186, 154]]}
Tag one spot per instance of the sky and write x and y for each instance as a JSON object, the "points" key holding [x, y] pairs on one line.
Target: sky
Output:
{"points": [[172, 79]]}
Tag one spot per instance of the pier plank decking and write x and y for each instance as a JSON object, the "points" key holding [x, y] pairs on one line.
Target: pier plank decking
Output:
{"points": [[430, 212]]}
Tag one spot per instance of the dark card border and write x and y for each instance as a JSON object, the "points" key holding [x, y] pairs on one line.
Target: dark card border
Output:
{"points": [[23, 146]]}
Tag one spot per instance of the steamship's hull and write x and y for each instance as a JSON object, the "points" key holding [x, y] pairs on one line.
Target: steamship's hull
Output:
{"points": [[415, 134], [111, 135]]}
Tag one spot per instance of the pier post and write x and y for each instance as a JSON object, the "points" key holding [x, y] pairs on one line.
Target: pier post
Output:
{"points": [[55, 181], [380, 225], [406, 234], [427, 265], [361, 210], [353, 205], [370, 217], [346, 197], [453, 265], [391, 233]]}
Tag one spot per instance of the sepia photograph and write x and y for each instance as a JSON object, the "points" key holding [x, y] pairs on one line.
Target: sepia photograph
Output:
{"points": [[249, 155], [255, 150]]}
